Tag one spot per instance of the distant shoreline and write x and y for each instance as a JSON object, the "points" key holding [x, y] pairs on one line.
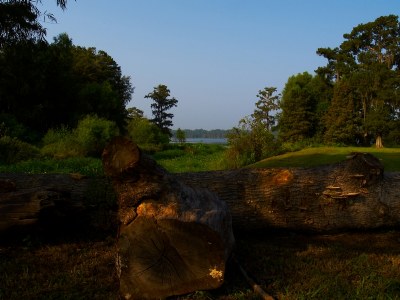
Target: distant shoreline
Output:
{"points": [[222, 141]]}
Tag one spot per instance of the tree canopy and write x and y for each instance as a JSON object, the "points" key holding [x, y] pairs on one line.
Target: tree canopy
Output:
{"points": [[364, 72], [354, 98], [160, 107], [45, 85], [20, 21]]}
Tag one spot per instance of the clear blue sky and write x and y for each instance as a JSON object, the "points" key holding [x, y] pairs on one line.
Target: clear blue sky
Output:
{"points": [[214, 55]]}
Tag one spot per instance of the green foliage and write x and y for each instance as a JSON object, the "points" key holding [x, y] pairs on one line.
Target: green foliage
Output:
{"points": [[9, 126], [46, 85], [88, 166], [55, 135], [146, 134], [393, 138], [102, 89], [342, 121], [202, 133], [365, 68], [253, 140], [61, 143], [246, 145], [180, 135], [304, 102], [19, 22], [266, 106], [161, 104], [12, 150], [88, 139], [192, 157], [93, 133]]}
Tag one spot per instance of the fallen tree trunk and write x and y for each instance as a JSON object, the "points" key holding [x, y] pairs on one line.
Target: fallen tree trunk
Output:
{"points": [[173, 239], [54, 202], [326, 198], [353, 194]]}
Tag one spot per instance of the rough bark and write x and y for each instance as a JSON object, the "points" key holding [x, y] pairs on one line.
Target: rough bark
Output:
{"points": [[174, 239], [30, 203], [326, 198], [354, 194]]}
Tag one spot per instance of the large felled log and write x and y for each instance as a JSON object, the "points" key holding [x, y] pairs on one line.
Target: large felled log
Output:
{"points": [[348, 195], [29, 203], [353, 194], [174, 239]]}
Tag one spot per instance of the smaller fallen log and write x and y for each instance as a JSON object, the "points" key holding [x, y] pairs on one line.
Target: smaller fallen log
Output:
{"points": [[53, 203], [173, 239]]}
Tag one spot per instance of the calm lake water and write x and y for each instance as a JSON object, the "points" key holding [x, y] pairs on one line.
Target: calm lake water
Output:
{"points": [[206, 141]]}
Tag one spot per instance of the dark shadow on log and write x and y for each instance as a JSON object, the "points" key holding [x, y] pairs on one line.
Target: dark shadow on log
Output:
{"points": [[55, 204]]}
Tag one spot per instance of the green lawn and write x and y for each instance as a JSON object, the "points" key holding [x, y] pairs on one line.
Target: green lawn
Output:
{"points": [[312, 157]]}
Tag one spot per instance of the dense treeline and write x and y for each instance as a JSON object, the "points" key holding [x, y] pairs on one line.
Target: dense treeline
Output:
{"points": [[355, 98], [202, 133], [60, 93], [43, 86]]}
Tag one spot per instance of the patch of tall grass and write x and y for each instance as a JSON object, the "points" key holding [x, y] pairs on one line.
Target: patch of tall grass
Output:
{"points": [[192, 158], [88, 166], [13, 150]]}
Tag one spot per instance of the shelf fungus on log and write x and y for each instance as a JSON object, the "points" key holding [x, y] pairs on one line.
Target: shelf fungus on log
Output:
{"points": [[173, 238]]}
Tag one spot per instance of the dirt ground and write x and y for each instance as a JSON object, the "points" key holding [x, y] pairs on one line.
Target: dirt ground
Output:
{"points": [[352, 265]]}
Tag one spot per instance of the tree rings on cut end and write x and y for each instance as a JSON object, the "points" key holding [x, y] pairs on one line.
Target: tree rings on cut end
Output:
{"points": [[169, 257]]}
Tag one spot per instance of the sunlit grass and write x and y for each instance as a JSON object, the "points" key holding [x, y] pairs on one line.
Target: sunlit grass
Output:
{"points": [[311, 157], [192, 158], [84, 165]]}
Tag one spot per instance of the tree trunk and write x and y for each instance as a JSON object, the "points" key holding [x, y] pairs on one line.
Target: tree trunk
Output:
{"points": [[174, 239], [354, 194], [348, 195], [378, 142], [53, 202]]}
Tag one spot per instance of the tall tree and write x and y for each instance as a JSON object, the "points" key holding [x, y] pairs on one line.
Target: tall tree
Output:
{"points": [[300, 104], [369, 60], [342, 120], [180, 136], [160, 107], [253, 140], [19, 21], [102, 87], [267, 106]]}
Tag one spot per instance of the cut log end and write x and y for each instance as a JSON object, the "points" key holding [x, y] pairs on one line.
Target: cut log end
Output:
{"points": [[119, 156], [167, 257]]}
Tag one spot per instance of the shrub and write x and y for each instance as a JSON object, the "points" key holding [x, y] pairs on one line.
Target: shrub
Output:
{"points": [[61, 143], [147, 135], [56, 135], [63, 149], [12, 150], [249, 145], [9, 126], [93, 133], [392, 139]]}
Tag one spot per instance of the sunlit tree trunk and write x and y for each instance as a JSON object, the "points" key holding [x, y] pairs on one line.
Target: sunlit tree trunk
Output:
{"points": [[378, 142]]}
